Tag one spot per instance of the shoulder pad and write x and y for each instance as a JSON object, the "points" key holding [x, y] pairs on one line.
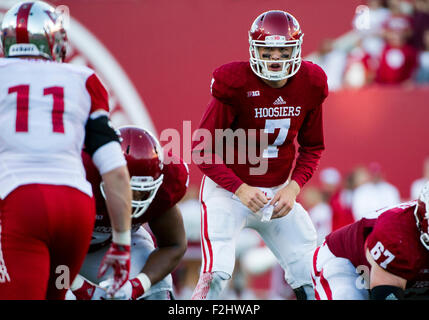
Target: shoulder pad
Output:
{"points": [[79, 69], [227, 79], [176, 176], [317, 78], [395, 237]]}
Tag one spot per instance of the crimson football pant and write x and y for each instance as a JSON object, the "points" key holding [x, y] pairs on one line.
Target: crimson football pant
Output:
{"points": [[45, 231]]}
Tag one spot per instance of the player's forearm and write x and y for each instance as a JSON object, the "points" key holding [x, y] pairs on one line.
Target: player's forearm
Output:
{"points": [[306, 163], [163, 261], [218, 116], [118, 198], [221, 175], [294, 186]]}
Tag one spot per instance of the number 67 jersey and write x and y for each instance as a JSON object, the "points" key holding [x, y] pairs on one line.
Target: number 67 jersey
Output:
{"points": [[44, 107], [393, 241]]}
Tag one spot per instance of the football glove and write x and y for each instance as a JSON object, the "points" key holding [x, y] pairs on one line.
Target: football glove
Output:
{"points": [[118, 257], [88, 291], [131, 290]]}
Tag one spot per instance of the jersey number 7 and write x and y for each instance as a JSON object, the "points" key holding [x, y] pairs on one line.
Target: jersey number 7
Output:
{"points": [[272, 151]]}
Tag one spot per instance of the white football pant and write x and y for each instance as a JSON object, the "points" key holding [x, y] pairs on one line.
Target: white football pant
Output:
{"points": [[336, 278], [292, 238]]}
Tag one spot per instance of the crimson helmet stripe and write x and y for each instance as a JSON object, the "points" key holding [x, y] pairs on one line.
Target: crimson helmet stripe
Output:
{"points": [[22, 21]]}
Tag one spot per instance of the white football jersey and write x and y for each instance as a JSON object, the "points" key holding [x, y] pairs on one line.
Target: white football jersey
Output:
{"points": [[44, 107]]}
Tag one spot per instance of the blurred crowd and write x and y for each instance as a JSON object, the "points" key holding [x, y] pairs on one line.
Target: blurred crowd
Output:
{"points": [[389, 45], [333, 201]]}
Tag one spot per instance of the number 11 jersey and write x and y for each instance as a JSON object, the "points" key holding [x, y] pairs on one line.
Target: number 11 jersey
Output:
{"points": [[44, 107]]}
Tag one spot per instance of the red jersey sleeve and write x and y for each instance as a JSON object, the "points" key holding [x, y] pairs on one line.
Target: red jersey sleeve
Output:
{"points": [[218, 115], [98, 94], [310, 136]]}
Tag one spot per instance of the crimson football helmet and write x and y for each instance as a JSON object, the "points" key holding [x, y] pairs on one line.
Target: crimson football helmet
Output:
{"points": [[34, 28], [421, 212], [145, 161], [275, 29]]}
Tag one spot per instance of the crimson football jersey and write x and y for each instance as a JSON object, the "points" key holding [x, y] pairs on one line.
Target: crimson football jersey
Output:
{"points": [[242, 101], [348, 242], [395, 245], [393, 241], [172, 190]]}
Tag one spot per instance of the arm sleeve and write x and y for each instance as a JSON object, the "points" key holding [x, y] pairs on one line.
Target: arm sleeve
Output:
{"points": [[311, 145], [98, 94], [217, 116], [109, 157], [310, 136], [101, 140], [401, 258]]}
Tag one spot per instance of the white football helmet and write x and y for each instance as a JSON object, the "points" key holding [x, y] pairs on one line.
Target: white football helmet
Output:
{"points": [[34, 28]]}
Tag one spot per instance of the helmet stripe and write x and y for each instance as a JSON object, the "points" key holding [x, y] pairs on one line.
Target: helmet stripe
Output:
{"points": [[21, 22]]}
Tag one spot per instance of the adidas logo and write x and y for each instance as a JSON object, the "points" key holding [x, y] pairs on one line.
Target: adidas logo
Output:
{"points": [[279, 101]]}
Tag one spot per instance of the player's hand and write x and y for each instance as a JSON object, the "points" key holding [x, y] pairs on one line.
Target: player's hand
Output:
{"points": [[252, 197], [89, 291], [118, 257], [131, 290], [284, 200]]}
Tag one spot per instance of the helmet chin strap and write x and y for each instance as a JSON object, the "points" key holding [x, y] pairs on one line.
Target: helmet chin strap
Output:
{"points": [[276, 75], [289, 66], [139, 207], [141, 184]]}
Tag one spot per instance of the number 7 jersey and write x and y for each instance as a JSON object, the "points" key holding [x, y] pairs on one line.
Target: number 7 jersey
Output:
{"points": [[44, 107], [242, 102]]}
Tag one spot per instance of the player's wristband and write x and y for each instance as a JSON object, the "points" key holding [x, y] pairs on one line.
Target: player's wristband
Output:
{"points": [[145, 281], [122, 238], [77, 283], [82, 289], [140, 284]]}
